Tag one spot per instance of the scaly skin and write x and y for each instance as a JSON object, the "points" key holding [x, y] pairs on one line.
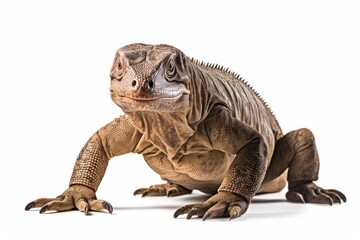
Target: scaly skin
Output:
{"points": [[198, 126]]}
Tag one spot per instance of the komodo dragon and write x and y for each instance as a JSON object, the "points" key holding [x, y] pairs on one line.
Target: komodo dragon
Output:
{"points": [[199, 126]]}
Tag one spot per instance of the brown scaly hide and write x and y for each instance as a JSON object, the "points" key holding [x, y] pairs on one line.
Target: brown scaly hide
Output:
{"points": [[199, 126]]}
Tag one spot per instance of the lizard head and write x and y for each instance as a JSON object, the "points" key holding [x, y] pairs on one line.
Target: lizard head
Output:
{"points": [[150, 78]]}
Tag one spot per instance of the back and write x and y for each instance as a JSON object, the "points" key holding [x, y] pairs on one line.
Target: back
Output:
{"points": [[242, 101]]}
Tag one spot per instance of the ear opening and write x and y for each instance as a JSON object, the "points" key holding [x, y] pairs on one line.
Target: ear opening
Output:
{"points": [[182, 70], [175, 68]]}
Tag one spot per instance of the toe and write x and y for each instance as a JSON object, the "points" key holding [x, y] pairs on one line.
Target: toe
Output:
{"points": [[198, 210], [153, 191], [236, 209], [218, 210], [318, 197], [59, 205], [172, 192], [44, 209], [335, 198], [82, 205], [98, 205], [177, 190], [184, 210], [335, 195], [338, 193], [294, 197], [234, 212], [39, 203]]}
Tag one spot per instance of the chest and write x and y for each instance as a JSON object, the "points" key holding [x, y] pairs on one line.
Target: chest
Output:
{"points": [[195, 160]]}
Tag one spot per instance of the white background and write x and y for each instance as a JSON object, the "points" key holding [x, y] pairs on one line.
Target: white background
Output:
{"points": [[55, 57]]}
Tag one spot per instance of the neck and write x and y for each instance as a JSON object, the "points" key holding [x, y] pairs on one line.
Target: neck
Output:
{"points": [[166, 131], [202, 99]]}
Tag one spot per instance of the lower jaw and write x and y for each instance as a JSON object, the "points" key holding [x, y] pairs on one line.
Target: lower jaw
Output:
{"points": [[175, 104]]}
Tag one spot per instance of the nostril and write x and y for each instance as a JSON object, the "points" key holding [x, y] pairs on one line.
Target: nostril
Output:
{"points": [[150, 84], [133, 83]]}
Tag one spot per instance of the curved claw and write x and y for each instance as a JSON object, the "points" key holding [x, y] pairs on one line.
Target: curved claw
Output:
{"points": [[189, 215], [217, 210], [171, 193], [86, 210], [146, 193], [235, 212], [108, 206], [139, 191], [206, 215], [295, 197], [193, 211], [233, 216], [44, 209], [178, 213], [29, 206]]}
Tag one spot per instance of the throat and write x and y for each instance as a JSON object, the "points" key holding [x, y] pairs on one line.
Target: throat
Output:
{"points": [[166, 131]]}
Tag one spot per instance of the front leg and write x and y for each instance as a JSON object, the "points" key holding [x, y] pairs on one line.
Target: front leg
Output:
{"points": [[244, 175], [116, 138]]}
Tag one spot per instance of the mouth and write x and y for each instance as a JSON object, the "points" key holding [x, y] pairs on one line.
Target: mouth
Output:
{"points": [[155, 96], [173, 101]]}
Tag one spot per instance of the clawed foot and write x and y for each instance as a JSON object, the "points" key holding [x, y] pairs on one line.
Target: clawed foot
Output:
{"points": [[75, 197], [223, 204], [309, 192], [167, 189]]}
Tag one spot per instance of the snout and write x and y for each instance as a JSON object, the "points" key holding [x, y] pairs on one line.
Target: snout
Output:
{"points": [[147, 85]]}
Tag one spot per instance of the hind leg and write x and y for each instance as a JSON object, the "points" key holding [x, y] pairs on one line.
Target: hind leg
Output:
{"points": [[275, 185], [297, 152]]}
